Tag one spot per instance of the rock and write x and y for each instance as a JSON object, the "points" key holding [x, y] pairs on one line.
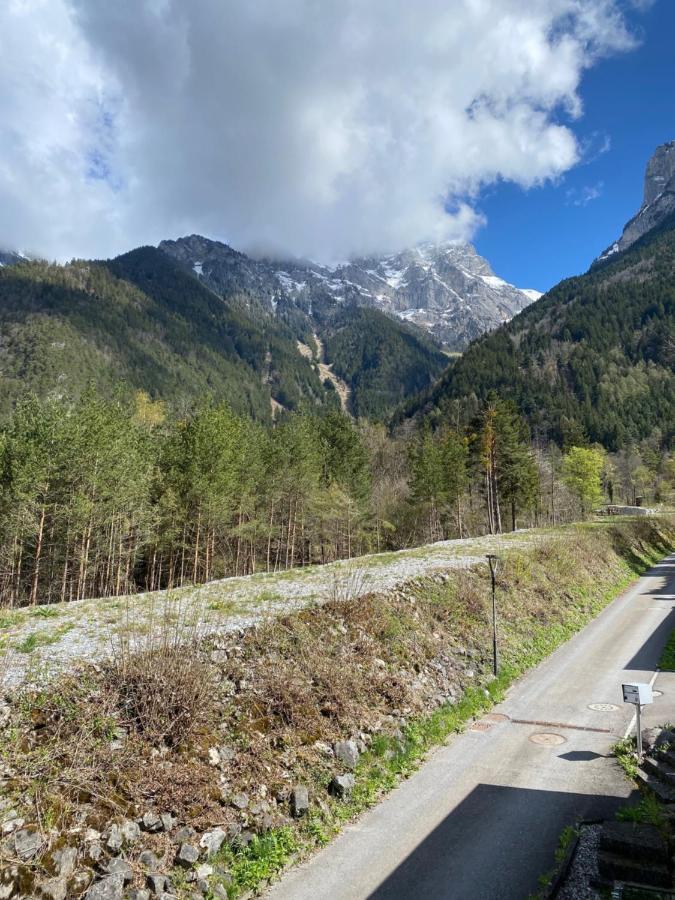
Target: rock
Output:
{"points": [[168, 821], [187, 855], [148, 859], [348, 753], [139, 894], [65, 860], [324, 748], [653, 738], [244, 839], [342, 785], [91, 835], [233, 831], [214, 756], [219, 892], [202, 886], [151, 822], [299, 800], [131, 832], [54, 889], [204, 871], [114, 839], [158, 883], [240, 801], [186, 833], [12, 823], [93, 851], [212, 841], [27, 843], [109, 888], [119, 866]]}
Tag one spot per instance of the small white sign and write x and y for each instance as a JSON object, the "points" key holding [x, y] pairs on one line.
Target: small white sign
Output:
{"points": [[637, 694]]}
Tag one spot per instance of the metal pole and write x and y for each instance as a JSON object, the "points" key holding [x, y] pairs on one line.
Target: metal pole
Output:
{"points": [[493, 561], [639, 730]]}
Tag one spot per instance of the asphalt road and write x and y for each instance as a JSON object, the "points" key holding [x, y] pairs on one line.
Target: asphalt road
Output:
{"points": [[481, 819]]}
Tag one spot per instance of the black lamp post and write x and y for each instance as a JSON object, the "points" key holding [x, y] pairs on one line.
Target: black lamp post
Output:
{"points": [[494, 564]]}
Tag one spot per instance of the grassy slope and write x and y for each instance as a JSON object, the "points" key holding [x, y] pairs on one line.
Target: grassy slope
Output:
{"points": [[323, 674]]}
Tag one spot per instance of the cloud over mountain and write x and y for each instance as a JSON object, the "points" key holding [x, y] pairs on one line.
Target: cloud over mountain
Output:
{"points": [[316, 128]]}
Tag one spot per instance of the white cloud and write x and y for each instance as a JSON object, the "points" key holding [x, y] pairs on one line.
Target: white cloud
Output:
{"points": [[318, 128], [584, 195]]}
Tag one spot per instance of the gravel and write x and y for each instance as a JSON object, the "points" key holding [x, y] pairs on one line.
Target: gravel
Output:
{"points": [[584, 868], [88, 629]]}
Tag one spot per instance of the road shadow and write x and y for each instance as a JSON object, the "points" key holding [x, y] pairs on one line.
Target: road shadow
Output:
{"points": [[493, 846], [648, 656]]}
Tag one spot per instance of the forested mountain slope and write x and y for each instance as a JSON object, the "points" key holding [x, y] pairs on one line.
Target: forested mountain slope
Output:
{"points": [[594, 358], [381, 360], [141, 321]]}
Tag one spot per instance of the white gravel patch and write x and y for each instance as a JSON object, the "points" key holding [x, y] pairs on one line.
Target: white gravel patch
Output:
{"points": [[88, 629]]}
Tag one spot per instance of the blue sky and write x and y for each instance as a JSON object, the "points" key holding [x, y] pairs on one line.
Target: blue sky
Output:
{"points": [[535, 238]]}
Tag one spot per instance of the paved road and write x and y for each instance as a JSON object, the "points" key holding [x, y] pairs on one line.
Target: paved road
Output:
{"points": [[481, 818]]}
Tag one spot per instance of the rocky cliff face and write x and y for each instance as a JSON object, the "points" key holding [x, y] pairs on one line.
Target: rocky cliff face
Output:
{"points": [[658, 201], [447, 289]]}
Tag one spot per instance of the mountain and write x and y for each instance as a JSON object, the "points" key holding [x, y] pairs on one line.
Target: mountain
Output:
{"points": [[9, 258], [145, 320], [592, 359], [447, 289], [658, 202]]}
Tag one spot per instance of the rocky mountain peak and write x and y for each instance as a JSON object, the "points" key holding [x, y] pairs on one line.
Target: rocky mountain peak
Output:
{"points": [[447, 289], [658, 201], [660, 172]]}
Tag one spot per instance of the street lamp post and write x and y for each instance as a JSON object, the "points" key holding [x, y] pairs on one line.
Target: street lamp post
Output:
{"points": [[494, 564]]}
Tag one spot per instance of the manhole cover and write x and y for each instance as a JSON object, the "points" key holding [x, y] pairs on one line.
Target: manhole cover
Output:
{"points": [[481, 726], [657, 693], [603, 707], [547, 739], [494, 718]]}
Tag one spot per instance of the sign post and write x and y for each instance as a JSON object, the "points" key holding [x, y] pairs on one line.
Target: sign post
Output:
{"points": [[494, 563], [638, 695]]}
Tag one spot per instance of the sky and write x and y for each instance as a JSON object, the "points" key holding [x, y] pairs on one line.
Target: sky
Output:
{"points": [[330, 128], [549, 233]]}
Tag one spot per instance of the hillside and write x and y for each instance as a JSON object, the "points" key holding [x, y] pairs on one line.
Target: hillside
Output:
{"points": [[381, 360], [592, 359], [144, 321]]}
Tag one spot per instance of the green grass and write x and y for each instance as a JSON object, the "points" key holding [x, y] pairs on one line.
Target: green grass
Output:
{"points": [[667, 661], [41, 639]]}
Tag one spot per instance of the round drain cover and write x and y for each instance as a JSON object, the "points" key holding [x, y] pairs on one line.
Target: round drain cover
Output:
{"points": [[547, 739], [493, 718], [603, 707]]}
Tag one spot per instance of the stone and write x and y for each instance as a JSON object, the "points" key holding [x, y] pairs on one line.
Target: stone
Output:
{"points": [[204, 871], [212, 841], [158, 883], [54, 889], [151, 822], [299, 800], [148, 859], [214, 756], [119, 866], [168, 821], [240, 801], [114, 839], [348, 753], [27, 843], [244, 839], [186, 833], [12, 823], [109, 888], [219, 892], [187, 855], [91, 834], [138, 894], [64, 861], [93, 851], [342, 785], [202, 886], [131, 832]]}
